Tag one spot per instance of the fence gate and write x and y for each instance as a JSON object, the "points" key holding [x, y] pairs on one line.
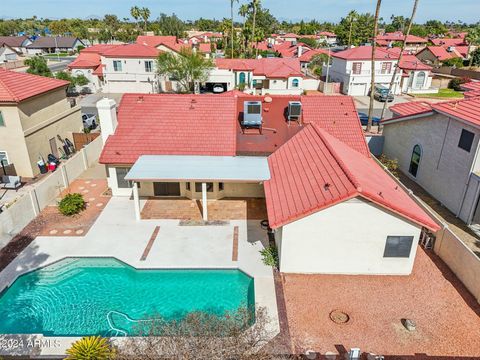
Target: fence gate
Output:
{"points": [[82, 139]]}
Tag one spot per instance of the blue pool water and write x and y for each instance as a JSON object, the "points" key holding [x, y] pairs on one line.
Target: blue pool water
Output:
{"points": [[74, 296]]}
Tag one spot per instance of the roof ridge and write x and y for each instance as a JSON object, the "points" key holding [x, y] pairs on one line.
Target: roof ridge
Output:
{"points": [[337, 158]]}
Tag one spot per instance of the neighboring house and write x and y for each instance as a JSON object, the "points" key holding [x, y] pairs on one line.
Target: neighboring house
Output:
{"points": [[327, 37], [306, 57], [290, 37], [34, 114], [17, 43], [412, 42], [436, 55], [437, 146], [173, 45], [262, 76], [129, 68], [446, 42], [52, 44], [352, 68], [7, 53], [416, 76], [315, 174]]}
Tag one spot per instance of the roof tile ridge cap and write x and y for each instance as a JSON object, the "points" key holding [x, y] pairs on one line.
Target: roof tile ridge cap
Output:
{"points": [[12, 94], [337, 158]]}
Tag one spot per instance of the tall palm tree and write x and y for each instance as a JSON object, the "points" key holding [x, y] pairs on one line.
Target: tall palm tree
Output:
{"points": [[231, 15], [402, 49], [145, 14], [243, 12], [473, 39], [374, 48], [351, 17], [254, 4], [135, 12]]}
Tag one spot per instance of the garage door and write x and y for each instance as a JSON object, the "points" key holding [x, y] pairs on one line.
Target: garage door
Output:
{"points": [[358, 89]]}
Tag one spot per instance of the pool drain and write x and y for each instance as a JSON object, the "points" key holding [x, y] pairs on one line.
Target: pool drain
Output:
{"points": [[339, 317]]}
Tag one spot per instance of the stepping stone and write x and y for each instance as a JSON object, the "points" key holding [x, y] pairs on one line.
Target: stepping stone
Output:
{"points": [[85, 191], [99, 204], [93, 185], [82, 187], [91, 199], [79, 232], [53, 232], [66, 232], [87, 182]]}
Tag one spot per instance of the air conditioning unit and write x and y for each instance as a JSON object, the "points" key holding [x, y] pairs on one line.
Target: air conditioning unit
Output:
{"points": [[294, 110], [252, 114]]}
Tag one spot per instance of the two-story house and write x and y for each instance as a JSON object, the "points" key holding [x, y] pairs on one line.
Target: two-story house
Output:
{"points": [[352, 68], [412, 42], [260, 76], [130, 68], [437, 146], [35, 116]]}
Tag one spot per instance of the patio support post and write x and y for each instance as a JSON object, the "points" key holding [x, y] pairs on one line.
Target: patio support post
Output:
{"points": [[136, 201], [204, 201]]}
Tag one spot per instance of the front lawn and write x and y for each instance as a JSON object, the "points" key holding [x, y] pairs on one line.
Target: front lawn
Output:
{"points": [[442, 94]]}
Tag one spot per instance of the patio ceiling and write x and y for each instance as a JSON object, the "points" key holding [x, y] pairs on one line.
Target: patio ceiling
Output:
{"points": [[199, 168]]}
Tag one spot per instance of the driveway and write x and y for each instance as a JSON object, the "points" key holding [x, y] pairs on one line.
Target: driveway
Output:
{"points": [[362, 103], [88, 103]]}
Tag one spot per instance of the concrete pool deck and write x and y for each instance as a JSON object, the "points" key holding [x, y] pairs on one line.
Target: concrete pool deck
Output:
{"points": [[147, 244]]}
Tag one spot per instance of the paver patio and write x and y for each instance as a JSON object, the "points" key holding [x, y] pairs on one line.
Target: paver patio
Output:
{"points": [[446, 314]]}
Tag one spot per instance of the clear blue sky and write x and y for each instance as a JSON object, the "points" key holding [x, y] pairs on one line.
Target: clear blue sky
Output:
{"points": [[329, 10]]}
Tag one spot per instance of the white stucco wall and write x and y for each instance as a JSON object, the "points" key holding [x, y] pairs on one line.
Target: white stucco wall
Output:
{"points": [[131, 78], [348, 238]]}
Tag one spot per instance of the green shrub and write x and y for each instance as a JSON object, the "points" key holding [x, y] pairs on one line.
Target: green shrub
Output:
{"points": [[91, 348], [71, 204], [270, 256], [457, 82], [390, 164]]}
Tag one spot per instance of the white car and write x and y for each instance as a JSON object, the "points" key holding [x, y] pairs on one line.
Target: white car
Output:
{"points": [[89, 121], [217, 89]]}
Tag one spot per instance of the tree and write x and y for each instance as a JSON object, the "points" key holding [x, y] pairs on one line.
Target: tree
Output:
{"points": [[372, 83], [312, 43], [473, 39], [254, 4], [317, 62], [475, 57], [187, 68], [135, 12], [455, 62], [231, 16], [243, 12], [171, 25], [361, 29], [37, 65], [352, 16], [203, 336], [145, 14]]}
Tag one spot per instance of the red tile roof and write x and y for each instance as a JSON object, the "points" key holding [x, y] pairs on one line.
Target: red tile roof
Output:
{"points": [[411, 108], [155, 41], [314, 170], [99, 48], [411, 62], [16, 87], [441, 52], [473, 85], [327, 33], [85, 61], [365, 53], [308, 55], [448, 42], [269, 67], [399, 36], [471, 94], [132, 51], [172, 124]]}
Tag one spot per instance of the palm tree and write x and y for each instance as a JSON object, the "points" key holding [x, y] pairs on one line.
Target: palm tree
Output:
{"points": [[409, 28], [243, 12], [231, 15], [472, 38], [254, 5], [374, 47], [145, 14], [135, 12], [351, 17]]}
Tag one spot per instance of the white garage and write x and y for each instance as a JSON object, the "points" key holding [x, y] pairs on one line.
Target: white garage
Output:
{"points": [[358, 89]]}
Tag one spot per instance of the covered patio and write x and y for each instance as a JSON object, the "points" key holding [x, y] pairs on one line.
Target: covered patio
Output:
{"points": [[199, 188]]}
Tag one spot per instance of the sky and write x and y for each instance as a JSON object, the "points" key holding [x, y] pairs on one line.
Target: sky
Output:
{"points": [[321, 10]]}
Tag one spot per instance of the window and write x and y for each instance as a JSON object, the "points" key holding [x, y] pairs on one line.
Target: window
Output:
{"points": [[420, 81], [149, 66], [187, 186], [415, 160], [2, 121], [121, 182], [357, 68], [198, 187], [221, 186], [398, 246], [295, 83], [117, 65], [386, 67], [3, 158], [241, 78], [466, 140]]}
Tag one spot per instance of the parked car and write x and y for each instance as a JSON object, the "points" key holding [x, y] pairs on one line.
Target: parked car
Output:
{"points": [[85, 91], [89, 121], [364, 119], [382, 94], [217, 89]]}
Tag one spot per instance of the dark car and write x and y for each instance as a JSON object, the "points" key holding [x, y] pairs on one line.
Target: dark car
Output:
{"points": [[364, 119], [383, 94]]}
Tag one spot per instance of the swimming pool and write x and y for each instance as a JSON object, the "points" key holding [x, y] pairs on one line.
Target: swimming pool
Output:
{"points": [[74, 296]]}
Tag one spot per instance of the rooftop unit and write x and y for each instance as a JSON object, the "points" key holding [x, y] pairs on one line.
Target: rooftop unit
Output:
{"points": [[252, 114], [294, 110]]}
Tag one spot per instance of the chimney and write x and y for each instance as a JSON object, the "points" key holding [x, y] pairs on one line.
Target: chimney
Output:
{"points": [[299, 50], [107, 115]]}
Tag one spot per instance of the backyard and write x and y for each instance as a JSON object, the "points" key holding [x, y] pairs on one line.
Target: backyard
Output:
{"points": [[442, 94]]}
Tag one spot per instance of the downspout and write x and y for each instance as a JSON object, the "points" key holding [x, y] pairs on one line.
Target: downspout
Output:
{"points": [[467, 181]]}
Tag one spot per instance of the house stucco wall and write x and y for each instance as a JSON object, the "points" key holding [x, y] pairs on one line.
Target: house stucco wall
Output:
{"points": [[444, 169], [131, 78], [339, 240]]}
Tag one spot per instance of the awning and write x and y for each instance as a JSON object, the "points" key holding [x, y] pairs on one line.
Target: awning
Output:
{"points": [[199, 168]]}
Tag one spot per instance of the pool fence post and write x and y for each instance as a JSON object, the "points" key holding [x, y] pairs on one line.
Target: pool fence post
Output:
{"points": [[136, 201], [204, 201]]}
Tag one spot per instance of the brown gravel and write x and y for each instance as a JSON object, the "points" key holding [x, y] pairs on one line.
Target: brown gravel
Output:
{"points": [[446, 314]]}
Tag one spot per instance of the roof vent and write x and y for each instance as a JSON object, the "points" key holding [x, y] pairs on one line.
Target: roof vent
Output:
{"points": [[252, 114], [140, 99], [294, 110]]}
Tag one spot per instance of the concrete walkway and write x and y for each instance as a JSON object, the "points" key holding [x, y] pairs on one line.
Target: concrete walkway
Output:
{"points": [[117, 234]]}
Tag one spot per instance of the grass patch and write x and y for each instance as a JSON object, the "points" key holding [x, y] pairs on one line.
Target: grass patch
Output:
{"points": [[442, 94]]}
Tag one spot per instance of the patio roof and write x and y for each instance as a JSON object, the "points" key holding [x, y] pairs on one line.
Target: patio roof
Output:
{"points": [[204, 168]]}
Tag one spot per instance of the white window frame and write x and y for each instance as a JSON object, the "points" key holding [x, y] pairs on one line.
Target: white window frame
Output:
{"points": [[6, 156], [2, 118], [150, 66], [115, 68]]}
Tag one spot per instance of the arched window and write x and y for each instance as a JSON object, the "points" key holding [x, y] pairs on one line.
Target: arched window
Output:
{"points": [[415, 160], [241, 78], [295, 83], [420, 80]]}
